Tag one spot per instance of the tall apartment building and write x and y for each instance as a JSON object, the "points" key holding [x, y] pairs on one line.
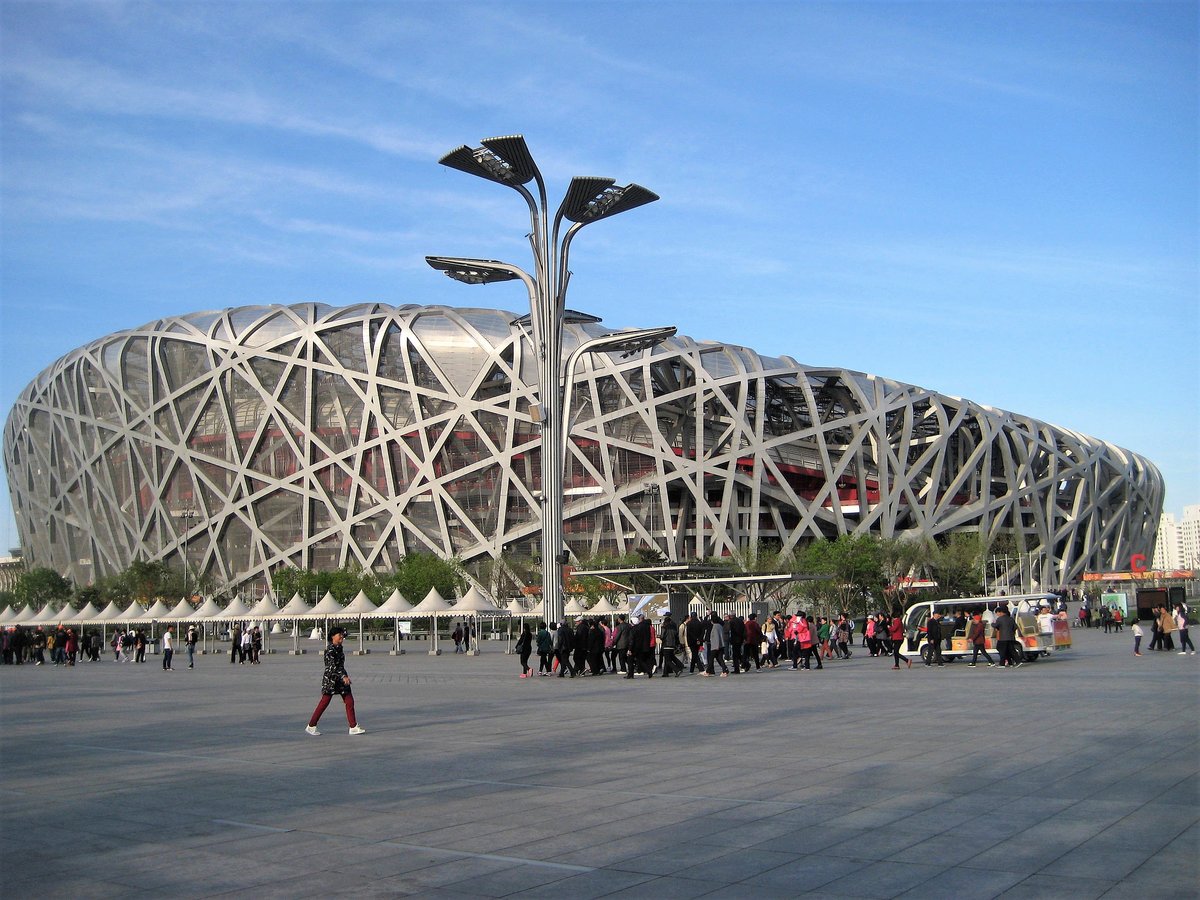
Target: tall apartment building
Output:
{"points": [[1178, 543]]}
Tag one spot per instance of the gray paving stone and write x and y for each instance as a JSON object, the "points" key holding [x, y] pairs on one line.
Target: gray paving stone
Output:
{"points": [[473, 783]]}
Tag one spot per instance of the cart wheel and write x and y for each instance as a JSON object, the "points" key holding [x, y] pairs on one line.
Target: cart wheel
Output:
{"points": [[926, 653]]}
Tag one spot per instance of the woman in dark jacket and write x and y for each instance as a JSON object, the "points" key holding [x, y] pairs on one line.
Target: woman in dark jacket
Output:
{"points": [[545, 649], [525, 647], [335, 681], [715, 639]]}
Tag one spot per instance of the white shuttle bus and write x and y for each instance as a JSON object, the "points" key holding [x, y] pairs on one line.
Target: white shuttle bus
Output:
{"points": [[1033, 641]]}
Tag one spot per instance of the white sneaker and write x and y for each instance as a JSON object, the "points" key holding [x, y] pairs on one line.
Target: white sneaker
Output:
{"points": [[358, 729], [312, 729], [1181, 653]]}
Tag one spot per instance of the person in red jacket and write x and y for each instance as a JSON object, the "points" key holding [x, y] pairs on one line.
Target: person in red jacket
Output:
{"points": [[975, 637], [896, 636]]}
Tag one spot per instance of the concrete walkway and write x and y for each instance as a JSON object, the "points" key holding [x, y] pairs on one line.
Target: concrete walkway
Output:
{"points": [[1072, 777]]}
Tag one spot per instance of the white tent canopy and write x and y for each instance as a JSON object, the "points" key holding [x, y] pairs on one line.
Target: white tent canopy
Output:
{"points": [[474, 603], [433, 604], [515, 608], [110, 613], [607, 608], [295, 608], [574, 608], [207, 611], [264, 608], [328, 607], [159, 610], [237, 609], [133, 614], [87, 614], [394, 606], [46, 615], [361, 605], [182, 610]]}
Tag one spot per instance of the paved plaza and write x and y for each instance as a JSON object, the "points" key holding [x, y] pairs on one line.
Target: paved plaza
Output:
{"points": [[1077, 776]]}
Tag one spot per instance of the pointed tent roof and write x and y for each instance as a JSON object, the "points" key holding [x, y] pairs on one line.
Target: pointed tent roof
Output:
{"points": [[208, 610], [264, 608], [110, 613], [328, 606], [237, 609], [574, 608], [87, 614], [295, 608], [46, 614], [606, 607], [395, 605], [476, 604], [515, 608], [182, 610], [432, 604], [133, 613], [361, 605], [9, 615], [159, 610]]}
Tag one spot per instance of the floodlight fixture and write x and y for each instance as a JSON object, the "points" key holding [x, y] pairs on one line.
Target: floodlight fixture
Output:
{"points": [[474, 271], [504, 160], [593, 199]]}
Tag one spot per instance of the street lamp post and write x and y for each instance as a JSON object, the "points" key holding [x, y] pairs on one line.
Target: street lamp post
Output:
{"points": [[186, 513], [507, 161]]}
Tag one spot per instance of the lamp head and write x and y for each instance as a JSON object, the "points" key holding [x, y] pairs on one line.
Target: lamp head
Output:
{"points": [[591, 199], [472, 271], [504, 160]]}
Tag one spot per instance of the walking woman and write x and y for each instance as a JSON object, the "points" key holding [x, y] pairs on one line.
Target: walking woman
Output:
{"points": [[716, 641], [975, 637], [806, 636], [771, 636], [525, 647], [335, 681], [896, 636], [545, 649], [1181, 624]]}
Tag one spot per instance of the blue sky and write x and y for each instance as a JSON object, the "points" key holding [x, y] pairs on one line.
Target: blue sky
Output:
{"points": [[996, 201]]}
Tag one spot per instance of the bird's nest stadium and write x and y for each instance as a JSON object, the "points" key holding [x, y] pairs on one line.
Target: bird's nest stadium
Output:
{"points": [[247, 439]]}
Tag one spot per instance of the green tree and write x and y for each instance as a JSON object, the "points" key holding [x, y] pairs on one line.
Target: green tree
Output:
{"points": [[418, 572], [956, 563], [853, 565], [38, 587]]}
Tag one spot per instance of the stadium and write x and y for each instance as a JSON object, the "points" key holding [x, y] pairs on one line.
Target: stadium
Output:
{"points": [[247, 439]]}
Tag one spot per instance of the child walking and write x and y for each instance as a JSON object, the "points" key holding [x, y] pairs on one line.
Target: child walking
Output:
{"points": [[1137, 638]]}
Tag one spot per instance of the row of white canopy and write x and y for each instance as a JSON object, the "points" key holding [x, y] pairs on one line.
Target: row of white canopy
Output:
{"points": [[473, 603]]}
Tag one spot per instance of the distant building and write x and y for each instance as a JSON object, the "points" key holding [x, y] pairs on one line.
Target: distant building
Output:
{"points": [[11, 569], [1178, 543]]}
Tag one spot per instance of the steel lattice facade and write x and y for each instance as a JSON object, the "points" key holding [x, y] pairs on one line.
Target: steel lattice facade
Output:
{"points": [[258, 437]]}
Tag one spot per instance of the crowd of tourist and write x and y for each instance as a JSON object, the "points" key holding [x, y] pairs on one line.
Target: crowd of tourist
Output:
{"points": [[711, 645]]}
